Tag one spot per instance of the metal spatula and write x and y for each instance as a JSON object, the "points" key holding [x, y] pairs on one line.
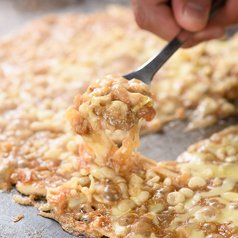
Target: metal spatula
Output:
{"points": [[146, 72]]}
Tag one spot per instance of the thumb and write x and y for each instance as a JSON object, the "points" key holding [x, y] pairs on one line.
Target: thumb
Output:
{"points": [[191, 15]]}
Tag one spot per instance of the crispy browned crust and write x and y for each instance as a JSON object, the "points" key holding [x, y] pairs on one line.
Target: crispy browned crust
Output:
{"points": [[18, 217], [70, 228]]}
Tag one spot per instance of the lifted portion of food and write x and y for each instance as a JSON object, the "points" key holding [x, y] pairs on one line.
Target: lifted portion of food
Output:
{"points": [[112, 103]]}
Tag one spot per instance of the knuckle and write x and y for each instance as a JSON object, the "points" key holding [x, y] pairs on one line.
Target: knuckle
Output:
{"points": [[140, 14], [141, 20]]}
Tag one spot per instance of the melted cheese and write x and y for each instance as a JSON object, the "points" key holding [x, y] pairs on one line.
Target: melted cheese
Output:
{"points": [[230, 196], [192, 201], [228, 214], [194, 212], [227, 185], [183, 217], [198, 167], [197, 234]]}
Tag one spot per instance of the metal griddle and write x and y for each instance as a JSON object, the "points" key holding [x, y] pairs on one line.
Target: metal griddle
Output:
{"points": [[165, 145]]}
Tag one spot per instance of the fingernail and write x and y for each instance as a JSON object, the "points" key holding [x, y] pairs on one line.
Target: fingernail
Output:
{"points": [[196, 11]]}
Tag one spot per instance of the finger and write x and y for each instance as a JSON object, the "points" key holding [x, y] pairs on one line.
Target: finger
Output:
{"points": [[212, 31], [228, 14], [190, 43], [155, 16], [191, 15]]}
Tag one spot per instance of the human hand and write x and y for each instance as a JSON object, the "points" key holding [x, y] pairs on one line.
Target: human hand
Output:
{"points": [[165, 18]]}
